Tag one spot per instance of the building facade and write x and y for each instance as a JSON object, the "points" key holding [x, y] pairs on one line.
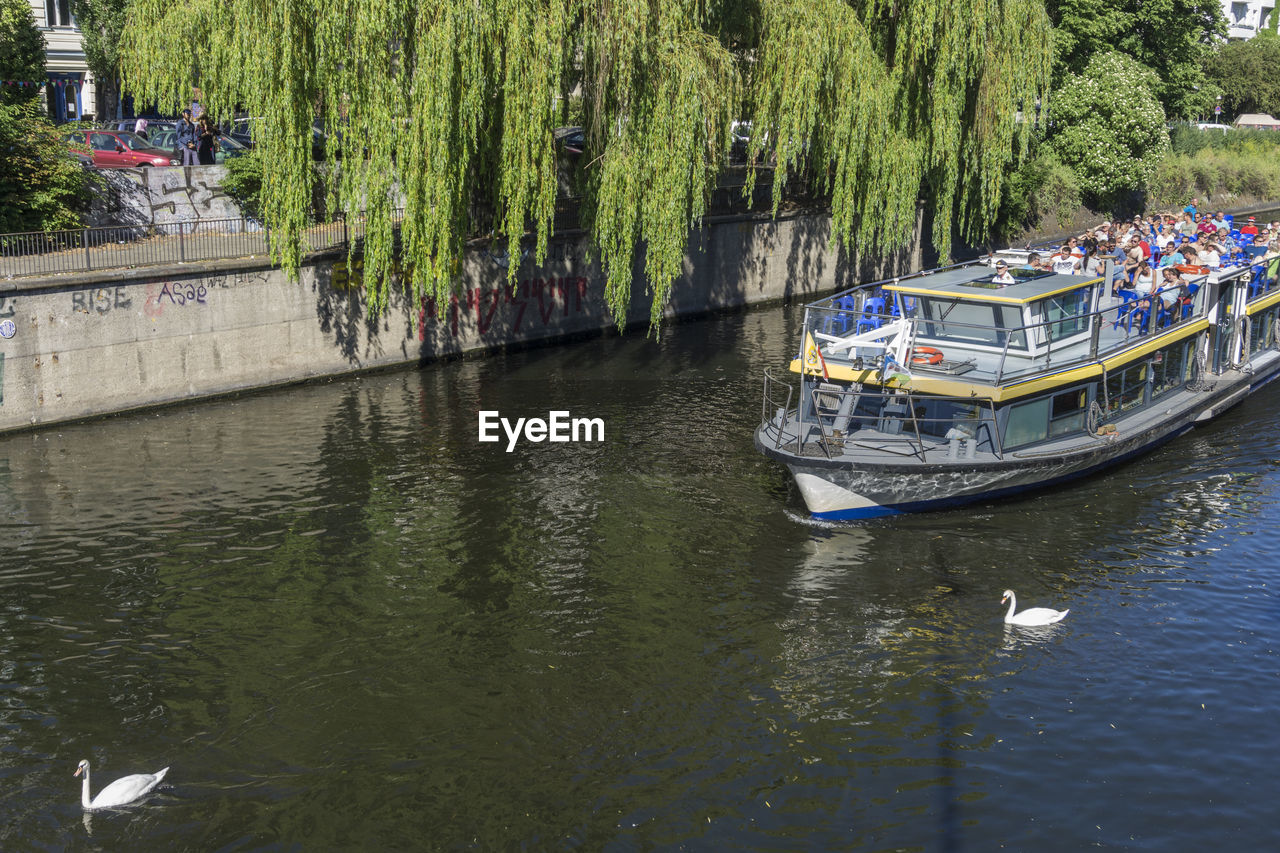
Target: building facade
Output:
{"points": [[1246, 17], [68, 88]]}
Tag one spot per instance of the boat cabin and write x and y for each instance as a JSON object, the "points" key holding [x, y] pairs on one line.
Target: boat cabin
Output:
{"points": [[964, 312]]}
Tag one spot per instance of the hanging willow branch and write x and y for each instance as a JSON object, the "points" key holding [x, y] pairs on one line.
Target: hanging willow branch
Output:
{"points": [[448, 107]]}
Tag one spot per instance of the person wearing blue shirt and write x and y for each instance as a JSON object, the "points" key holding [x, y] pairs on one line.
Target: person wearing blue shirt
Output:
{"points": [[187, 136], [1191, 208], [1172, 257]]}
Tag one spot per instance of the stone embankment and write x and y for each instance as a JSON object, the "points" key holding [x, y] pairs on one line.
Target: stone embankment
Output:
{"points": [[82, 345]]}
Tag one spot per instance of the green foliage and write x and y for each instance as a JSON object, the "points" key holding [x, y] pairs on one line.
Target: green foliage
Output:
{"points": [[1108, 127], [1040, 188], [1190, 140], [1214, 172], [1171, 37], [21, 51], [41, 184], [886, 105], [243, 182], [448, 108], [1248, 73], [101, 22]]}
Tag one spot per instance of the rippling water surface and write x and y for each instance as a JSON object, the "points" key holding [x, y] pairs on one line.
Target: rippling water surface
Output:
{"points": [[344, 623]]}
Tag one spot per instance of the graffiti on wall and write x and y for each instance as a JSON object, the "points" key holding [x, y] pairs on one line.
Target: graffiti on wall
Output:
{"points": [[162, 195], [183, 293], [532, 303], [101, 300]]}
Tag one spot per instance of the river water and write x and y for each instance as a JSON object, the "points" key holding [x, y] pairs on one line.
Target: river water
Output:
{"points": [[346, 624]]}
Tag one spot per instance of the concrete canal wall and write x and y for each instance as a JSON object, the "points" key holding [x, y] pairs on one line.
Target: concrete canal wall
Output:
{"points": [[79, 346]]}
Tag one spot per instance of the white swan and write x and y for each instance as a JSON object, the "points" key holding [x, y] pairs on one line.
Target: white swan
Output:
{"points": [[120, 792], [1032, 616]]}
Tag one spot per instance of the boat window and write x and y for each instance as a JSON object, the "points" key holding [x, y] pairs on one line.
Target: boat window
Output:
{"points": [[1126, 388], [1067, 313], [941, 416], [1171, 368], [1067, 411], [1045, 417], [1028, 422], [982, 323], [1262, 331]]}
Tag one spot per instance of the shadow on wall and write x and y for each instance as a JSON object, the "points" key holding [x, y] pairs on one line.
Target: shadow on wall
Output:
{"points": [[343, 313], [733, 262]]}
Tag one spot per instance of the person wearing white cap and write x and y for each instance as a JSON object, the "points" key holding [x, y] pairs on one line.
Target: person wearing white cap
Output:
{"points": [[1250, 227], [1002, 276], [1103, 232]]}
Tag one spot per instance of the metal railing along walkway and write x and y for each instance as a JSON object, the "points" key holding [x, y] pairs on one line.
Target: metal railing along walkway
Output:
{"points": [[34, 253]]}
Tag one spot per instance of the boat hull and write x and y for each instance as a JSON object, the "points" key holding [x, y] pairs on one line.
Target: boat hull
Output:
{"points": [[842, 489]]}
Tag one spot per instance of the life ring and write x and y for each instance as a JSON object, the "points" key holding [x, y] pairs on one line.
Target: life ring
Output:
{"points": [[926, 355]]}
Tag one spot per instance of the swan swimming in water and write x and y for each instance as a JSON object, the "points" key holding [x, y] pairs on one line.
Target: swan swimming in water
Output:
{"points": [[121, 792], [1032, 616]]}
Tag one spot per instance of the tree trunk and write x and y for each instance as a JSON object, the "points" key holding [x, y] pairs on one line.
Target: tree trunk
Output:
{"points": [[106, 97]]}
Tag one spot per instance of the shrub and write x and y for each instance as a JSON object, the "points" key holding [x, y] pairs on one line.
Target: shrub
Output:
{"points": [[243, 182], [1109, 127], [42, 186], [1040, 187]]}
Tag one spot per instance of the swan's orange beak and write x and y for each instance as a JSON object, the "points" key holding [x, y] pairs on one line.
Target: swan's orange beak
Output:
{"points": [[77, 773]]}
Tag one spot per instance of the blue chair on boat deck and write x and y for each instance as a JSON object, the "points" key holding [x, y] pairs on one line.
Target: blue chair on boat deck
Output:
{"points": [[1124, 315], [872, 311], [1191, 291], [1138, 315], [1258, 281], [840, 322]]}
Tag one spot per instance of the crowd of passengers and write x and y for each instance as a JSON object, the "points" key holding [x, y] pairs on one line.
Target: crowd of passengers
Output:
{"points": [[1150, 255]]}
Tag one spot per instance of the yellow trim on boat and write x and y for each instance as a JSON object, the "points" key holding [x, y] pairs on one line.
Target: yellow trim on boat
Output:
{"points": [[1263, 303], [984, 295], [959, 388]]}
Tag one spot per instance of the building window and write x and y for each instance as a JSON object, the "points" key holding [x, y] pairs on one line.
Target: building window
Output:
{"points": [[1239, 13], [58, 13]]}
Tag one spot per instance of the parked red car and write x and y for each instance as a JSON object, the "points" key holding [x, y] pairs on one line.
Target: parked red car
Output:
{"points": [[118, 149]]}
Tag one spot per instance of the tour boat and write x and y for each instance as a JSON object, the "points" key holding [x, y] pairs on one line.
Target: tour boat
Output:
{"points": [[957, 385]]}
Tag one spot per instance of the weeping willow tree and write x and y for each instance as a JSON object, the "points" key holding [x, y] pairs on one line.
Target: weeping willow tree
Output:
{"points": [[440, 104]]}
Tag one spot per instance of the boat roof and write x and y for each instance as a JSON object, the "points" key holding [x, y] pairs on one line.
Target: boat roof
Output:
{"points": [[974, 284]]}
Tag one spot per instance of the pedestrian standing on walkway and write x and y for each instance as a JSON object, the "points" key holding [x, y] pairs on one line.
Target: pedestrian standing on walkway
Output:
{"points": [[206, 141], [186, 137], [140, 127]]}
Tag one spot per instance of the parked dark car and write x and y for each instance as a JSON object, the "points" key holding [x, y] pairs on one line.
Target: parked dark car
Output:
{"points": [[228, 147], [570, 140], [118, 149], [241, 130]]}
